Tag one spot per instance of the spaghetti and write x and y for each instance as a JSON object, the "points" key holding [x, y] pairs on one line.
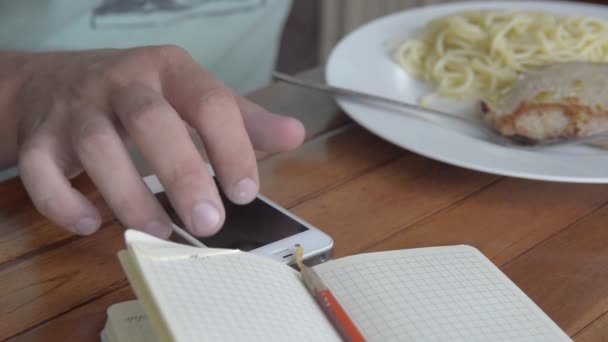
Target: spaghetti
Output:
{"points": [[479, 55]]}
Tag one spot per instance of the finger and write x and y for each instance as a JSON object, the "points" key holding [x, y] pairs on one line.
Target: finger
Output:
{"points": [[107, 162], [51, 192], [212, 110], [162, 137], [268, 131]]}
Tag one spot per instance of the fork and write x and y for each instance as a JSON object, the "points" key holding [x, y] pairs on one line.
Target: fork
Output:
{"points": [[511, 141]]}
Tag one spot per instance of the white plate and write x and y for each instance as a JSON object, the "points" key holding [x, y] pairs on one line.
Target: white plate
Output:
{"points": [[361, 62]]}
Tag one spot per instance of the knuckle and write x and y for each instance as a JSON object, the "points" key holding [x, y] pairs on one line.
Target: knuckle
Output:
{"points": [[49, 208], [213, 97], [92, 135], [135, 207], [217, 95], [145, 113], [162, 53], [29, 152], [170, 52], [112, 75], [183, 175], [27, 127], [131, 212]]}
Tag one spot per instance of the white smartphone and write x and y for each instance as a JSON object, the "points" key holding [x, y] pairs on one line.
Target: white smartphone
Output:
{"points": [[261, 227]]}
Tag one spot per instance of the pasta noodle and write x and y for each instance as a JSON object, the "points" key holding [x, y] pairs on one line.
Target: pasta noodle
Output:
{"points": [[478, 55]]}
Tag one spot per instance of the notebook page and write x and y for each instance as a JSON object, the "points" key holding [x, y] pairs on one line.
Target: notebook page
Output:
{"points": [[435, 294], [231, 296], [128, 322]]}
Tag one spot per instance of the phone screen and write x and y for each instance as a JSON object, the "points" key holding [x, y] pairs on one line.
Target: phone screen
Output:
{"points": [[246, 227]]}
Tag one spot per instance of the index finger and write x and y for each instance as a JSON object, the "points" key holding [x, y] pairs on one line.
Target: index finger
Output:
{"points": [[212, 109]]}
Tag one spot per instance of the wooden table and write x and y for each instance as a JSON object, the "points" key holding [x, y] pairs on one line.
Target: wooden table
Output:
{"points": [[549, 238]]}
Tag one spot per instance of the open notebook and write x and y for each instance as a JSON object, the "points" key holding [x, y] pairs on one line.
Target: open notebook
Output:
{"points": [[427, 294]]}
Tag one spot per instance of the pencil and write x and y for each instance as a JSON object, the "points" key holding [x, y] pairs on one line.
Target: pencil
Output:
{"points": [[328, 303]]}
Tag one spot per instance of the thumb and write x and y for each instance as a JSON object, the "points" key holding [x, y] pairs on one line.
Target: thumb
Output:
{"points": [[270, 132]]}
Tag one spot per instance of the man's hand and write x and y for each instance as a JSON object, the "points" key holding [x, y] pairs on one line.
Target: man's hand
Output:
{"points": [[73, 110]]}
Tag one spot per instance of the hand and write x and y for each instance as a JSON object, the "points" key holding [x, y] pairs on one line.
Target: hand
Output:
{"points": [[75, 111]]}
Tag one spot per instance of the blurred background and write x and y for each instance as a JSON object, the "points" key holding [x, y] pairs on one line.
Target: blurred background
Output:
{"points": [[315, 26], [239, 41]]}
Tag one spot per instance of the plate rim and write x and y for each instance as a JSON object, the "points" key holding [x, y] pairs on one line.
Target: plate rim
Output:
{"points": [[483, 5]]}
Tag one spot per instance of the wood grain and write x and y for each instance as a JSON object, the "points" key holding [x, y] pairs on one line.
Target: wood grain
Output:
{"points": [[60, 279], [596, 331], [23, 231], [325, 162], [380, 203], [504, 220], [566, 275], [81, 324]]}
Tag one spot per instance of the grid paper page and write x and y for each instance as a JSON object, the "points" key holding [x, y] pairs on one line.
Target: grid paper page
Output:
{"points": [[232, 297], [435, 294]]}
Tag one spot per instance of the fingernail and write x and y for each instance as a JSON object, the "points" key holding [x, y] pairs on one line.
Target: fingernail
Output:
{"points": [[205, 218], [244, 191], [86, 226], [157, 229]]}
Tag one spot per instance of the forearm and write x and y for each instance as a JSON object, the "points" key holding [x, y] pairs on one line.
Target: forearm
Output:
{"points": [[12, 74]]}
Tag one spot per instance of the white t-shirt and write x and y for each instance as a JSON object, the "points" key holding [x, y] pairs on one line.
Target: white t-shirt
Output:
{"points": [[236, 40]]}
